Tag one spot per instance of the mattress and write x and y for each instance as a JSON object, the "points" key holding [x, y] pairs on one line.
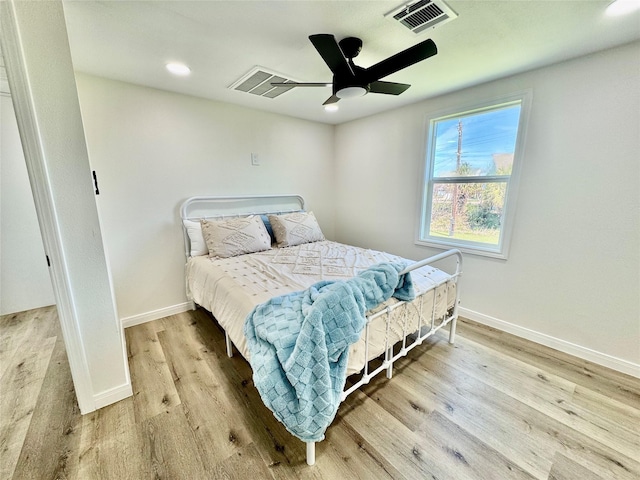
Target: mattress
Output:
{"points": [[231, 287]]}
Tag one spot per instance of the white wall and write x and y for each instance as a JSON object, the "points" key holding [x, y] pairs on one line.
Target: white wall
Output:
{"points": [[36, 49], [153, 149], [24, 279], [574, 266]]}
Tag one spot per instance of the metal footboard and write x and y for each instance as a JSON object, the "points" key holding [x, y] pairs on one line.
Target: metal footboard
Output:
{"points": [[390, 358]]}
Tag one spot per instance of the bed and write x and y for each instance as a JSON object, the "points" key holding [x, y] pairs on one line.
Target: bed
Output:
{"points": [[253, 267]]}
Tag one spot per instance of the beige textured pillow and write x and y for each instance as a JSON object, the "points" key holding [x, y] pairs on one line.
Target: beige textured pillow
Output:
{"points": [[295, 228], [235, 236]]}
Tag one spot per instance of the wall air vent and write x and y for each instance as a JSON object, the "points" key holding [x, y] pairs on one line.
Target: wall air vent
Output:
{"points": [[258, 82], [422, 15]]}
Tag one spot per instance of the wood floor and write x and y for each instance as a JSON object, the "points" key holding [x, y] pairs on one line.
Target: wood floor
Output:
{"points": [[491, 407]]}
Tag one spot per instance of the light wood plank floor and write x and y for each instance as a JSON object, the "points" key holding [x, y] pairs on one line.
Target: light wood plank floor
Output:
{"points": [[491, 407]]}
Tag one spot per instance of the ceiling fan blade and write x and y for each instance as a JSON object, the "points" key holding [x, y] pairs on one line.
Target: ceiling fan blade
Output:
{"points": [[298, 84], [331, 53], [401, 60], [332, 99], [389, 88]]}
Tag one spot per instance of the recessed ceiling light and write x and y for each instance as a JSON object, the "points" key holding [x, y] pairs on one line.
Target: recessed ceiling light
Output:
{"points": [[332, 107], [622, 7], [178, 68]]}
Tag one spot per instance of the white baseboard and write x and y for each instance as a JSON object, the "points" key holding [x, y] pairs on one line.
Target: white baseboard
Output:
{"points": [[585, 353], [579, 351], [156, 314], [112, 395]]}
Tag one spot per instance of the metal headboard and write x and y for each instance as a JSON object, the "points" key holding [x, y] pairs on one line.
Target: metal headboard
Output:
{"points": [[217, 207]]}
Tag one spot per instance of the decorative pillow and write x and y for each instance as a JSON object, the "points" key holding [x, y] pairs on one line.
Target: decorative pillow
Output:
{"points": [[295, 228], [235, 236], [198, 245], [267, 224]]}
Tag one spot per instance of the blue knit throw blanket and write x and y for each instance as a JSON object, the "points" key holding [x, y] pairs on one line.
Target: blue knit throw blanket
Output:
{"points": [[299, 344]]}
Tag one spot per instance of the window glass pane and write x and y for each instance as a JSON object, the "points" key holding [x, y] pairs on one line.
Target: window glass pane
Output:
{"points": [[468, 211], [471, 176], [477, 144]]}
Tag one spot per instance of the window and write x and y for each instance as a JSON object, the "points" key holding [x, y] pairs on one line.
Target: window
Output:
{"points": [[473, 158]]}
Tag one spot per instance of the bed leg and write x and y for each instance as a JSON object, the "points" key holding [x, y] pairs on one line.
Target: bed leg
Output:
{"points": [[311, 453], [390, 367], [452, 330], [229, 345]]}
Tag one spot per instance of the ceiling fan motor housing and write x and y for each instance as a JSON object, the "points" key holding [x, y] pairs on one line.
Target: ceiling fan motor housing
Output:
{"points": [[350, 46]]}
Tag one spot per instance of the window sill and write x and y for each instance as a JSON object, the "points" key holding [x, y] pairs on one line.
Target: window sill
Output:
{"points": [[464, 247]]}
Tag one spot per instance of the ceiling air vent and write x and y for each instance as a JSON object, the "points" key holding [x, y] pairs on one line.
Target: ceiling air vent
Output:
{"points": [[422, 15], [258, 82]]}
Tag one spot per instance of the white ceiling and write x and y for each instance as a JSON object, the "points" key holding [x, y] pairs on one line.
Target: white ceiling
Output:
{"points": [[223, 40]]}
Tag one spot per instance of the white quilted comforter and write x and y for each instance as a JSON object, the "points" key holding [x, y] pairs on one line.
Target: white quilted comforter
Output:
{"points": [[231, 287]]}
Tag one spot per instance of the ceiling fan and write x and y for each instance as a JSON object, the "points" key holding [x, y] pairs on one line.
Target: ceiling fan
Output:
{"points": [[350, 80]]}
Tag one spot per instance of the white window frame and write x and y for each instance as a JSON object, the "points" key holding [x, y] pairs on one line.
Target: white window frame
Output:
{"points": [[426, 191]]}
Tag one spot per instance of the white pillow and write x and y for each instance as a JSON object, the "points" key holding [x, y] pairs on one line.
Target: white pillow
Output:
{"points": [[235, 236], [198, 245], [295, 228]]}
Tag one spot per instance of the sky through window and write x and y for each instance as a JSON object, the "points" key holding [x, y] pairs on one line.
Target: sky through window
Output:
{"points": [[484, 135]]}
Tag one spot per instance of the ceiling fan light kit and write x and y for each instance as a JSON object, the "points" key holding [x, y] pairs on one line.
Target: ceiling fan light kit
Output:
{"points": [[351, 92]]}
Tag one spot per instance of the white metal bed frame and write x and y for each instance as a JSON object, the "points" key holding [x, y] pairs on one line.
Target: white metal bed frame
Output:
{"points": [[212, 207]]}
